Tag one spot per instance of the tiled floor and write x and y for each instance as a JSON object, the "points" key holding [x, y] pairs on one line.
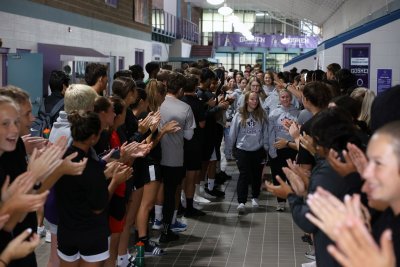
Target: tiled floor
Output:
{"points": [[262, 237]]}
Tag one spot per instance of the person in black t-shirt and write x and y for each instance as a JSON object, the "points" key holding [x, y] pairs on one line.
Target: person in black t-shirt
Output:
{"points": [[193, 148], [82, 200]]}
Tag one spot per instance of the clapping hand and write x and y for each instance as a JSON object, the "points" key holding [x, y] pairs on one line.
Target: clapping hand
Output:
{"points": [[68, 167], [307, 142], [21, 185], [171, 127], [121, 174], [358, 158], [357, 248], [20, 246], [49, 159], [282, 190], [32, 142], [343, 168]]}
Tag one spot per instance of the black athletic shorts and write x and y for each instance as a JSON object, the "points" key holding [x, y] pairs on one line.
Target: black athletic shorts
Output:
{"points": [[91, 245]]}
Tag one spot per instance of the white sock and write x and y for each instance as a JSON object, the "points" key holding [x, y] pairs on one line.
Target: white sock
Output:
{"points": [[158, 212], [122, 260], [201, 189], [183, 199], [211, 184], [197, 189], [174, 217]]}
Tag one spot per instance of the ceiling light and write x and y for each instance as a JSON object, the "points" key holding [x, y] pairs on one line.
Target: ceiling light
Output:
{"points": [[260, 14], [285, 41], [225, 10], [215, 2]]}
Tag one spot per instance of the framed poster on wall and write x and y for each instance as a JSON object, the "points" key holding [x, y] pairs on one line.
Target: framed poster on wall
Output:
{"points": [[357, 58]]}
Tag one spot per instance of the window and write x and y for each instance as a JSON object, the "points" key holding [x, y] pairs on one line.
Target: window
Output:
{"points": [[141, 11]]}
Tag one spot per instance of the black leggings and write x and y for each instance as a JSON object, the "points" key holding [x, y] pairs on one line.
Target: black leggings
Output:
{"points": [[172, 178], [278, 163], [250, 170]]}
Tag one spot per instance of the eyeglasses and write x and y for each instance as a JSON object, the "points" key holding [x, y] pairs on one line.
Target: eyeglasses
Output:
{"points": [[255, 85]]}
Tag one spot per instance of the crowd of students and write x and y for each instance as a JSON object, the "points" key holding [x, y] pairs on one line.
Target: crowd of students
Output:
{"points": [[152, 150]]}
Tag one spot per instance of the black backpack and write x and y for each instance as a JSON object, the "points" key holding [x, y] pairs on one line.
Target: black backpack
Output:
{"points": [[45, 120]]}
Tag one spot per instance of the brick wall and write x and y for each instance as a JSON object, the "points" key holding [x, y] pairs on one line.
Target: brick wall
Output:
{"points": [[122, 15]]}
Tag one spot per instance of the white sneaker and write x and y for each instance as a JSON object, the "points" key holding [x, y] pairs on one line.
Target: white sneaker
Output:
{"points": [[254, 202], [241, 209], [200, 199], [48, 237], [280, 206]]}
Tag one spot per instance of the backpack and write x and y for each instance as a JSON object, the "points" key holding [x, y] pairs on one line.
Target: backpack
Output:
{"points": [[45, 120]]}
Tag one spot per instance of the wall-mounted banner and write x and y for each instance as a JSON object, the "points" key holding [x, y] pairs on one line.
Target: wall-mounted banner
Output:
{"points": [[356, 58], [264, 41], [383, 80]]}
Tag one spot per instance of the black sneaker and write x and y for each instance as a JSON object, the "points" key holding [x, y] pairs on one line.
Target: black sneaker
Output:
{"points": [[193, 213], [152, 249], [226, 176], [168, 237], [215, 192], [219, 180]]}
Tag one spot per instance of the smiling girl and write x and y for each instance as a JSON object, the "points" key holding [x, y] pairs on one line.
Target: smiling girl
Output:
{"points": [[249, 134]]}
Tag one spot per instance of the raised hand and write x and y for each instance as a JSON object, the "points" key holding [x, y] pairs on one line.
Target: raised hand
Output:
{"points": [[294, 130], [32, 142], [110, 167], [171, 127], [356, 247], [280, 143], [121, 174], [26, 202], [296, 182], [155, 121], [144, 124], [21, 185], [357, 157], [68, 167], [3, 219], [282, 190], [304, 174], [342, 168], [21, 246], [44, 164], [328, 211], [307, 143], [286, 123]]}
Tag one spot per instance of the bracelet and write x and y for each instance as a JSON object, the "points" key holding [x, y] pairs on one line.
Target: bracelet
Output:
{"points": [[4, 263]]}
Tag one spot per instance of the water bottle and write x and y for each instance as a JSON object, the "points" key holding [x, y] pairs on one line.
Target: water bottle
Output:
{"points": [[139, 260]]}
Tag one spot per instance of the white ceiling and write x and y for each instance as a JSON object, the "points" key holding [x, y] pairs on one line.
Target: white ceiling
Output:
{"points": [[317, 11]]}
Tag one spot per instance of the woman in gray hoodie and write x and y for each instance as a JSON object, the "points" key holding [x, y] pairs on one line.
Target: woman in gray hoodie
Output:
{"points": [[281, 144], [249, 134]]}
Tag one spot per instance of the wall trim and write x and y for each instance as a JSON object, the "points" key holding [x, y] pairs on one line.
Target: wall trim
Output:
{"points": [[350, 34]]}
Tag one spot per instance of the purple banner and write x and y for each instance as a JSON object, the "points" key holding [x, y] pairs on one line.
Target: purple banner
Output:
{"points": [[265, 41], [357, 59], [384, 80]]}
